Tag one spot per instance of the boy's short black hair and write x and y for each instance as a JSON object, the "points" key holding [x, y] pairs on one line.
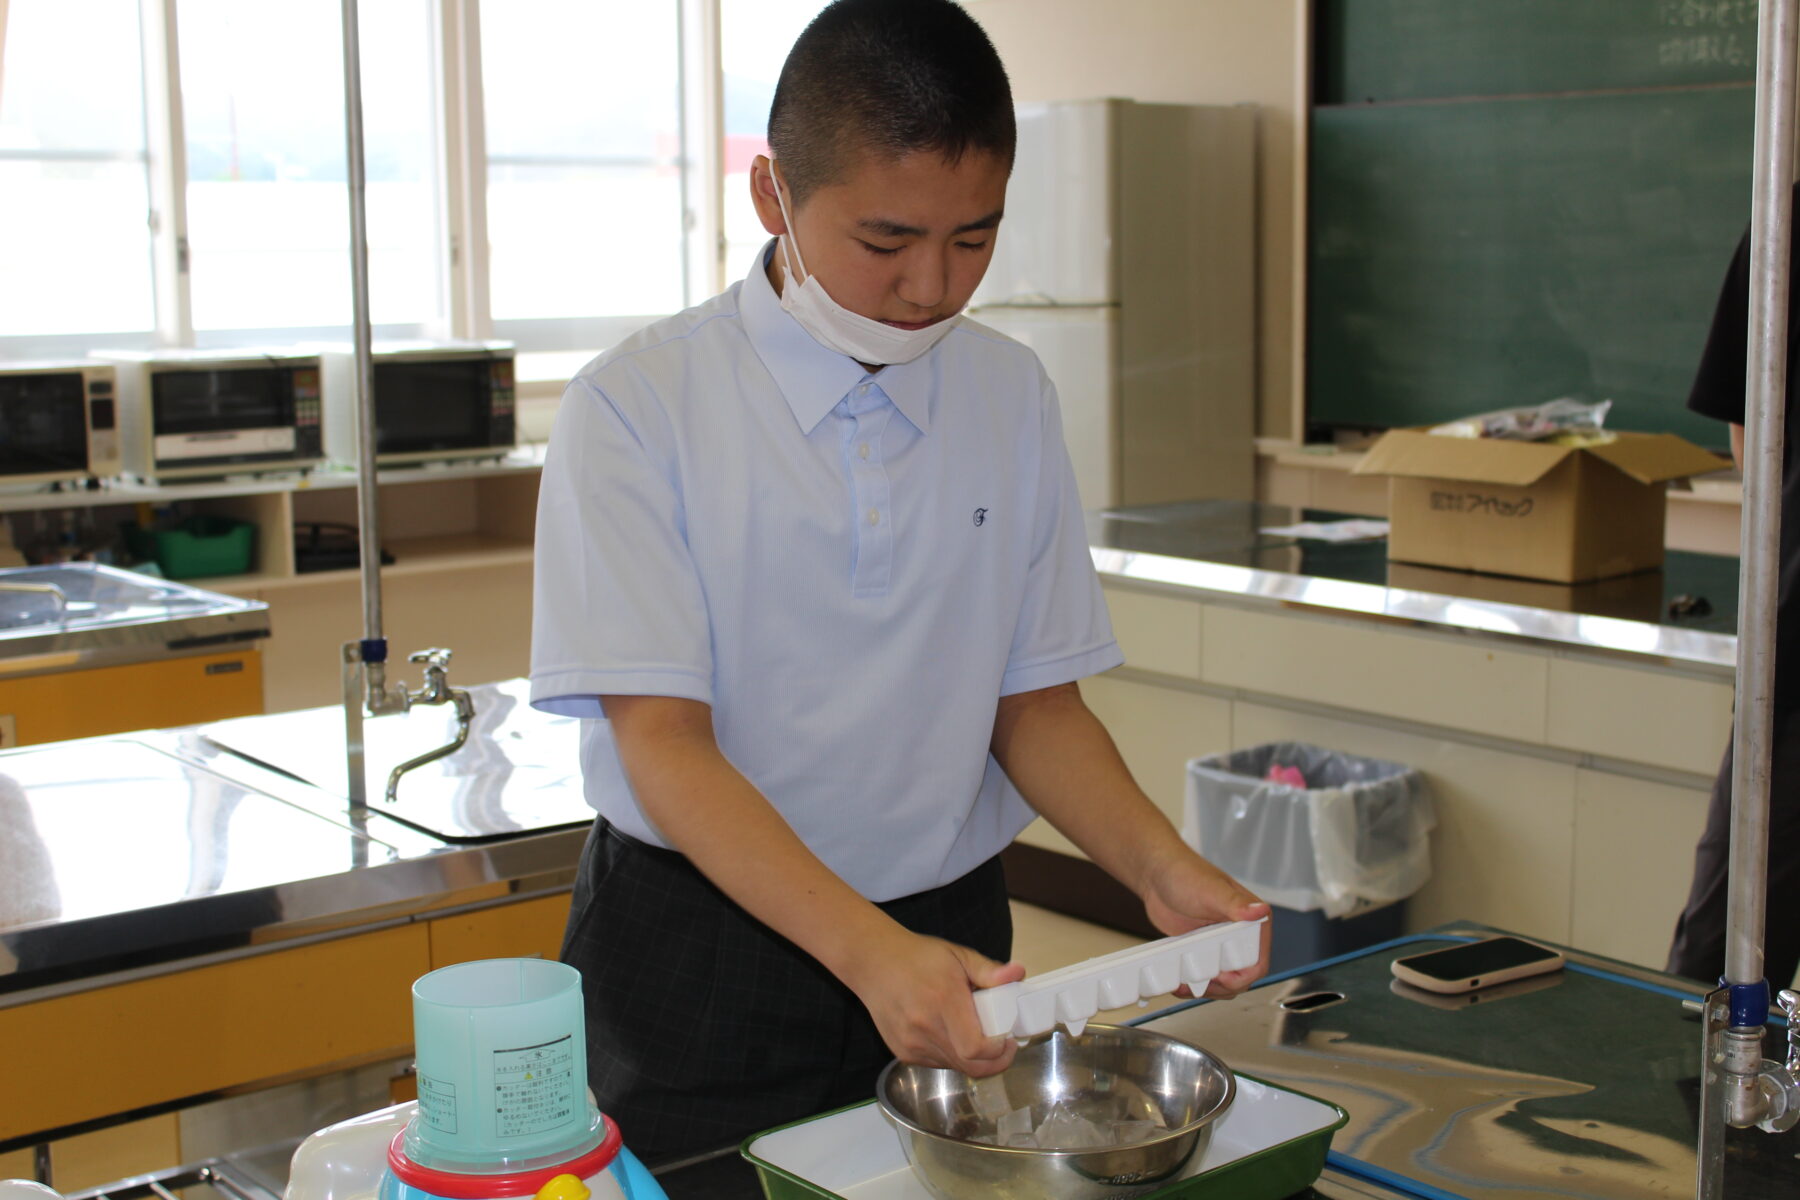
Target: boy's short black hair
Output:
{"points": [[889, 77]]}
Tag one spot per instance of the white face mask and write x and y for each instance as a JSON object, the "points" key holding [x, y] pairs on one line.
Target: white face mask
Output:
{"points": [[836, 327]]}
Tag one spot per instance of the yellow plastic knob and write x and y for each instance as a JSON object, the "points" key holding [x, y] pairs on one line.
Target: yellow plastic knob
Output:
{"points": [[564, 1187]]}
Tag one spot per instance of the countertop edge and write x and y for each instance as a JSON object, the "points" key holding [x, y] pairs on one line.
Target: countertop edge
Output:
{"points": [[1634, 642]]}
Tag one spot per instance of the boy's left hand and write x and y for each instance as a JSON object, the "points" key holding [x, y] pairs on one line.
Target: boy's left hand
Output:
{"points": [[1184, 892]]}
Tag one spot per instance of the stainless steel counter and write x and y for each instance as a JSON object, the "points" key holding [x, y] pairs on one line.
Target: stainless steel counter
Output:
{"points": [[1213, 552], [520, 771], [84, 615], [1582, 1084], [128, 854]]}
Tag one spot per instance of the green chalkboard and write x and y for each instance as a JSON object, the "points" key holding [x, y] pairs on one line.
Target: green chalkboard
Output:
{"points": [[1484, 254], [1514, 200], [1416, 49]]}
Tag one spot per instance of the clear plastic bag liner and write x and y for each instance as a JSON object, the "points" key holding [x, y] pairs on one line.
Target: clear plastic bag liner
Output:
{"points": [[1357, 835]]}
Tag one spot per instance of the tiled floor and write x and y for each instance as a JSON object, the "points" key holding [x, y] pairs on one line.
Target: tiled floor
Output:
{"points": [[1044, 940]]}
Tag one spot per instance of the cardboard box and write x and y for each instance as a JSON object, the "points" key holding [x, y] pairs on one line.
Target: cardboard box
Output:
{"points": [[1531, 509]]}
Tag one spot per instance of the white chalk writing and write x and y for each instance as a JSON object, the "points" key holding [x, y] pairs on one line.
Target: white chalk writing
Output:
{"points": [[1700, 14], [1706, 50]]}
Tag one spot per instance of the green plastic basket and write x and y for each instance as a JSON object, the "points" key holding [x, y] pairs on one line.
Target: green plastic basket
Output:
{"points": [[200, 546]]}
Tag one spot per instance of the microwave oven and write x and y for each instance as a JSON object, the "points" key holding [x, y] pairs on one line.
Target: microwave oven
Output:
{"points": [[196, 414], [433, 402], [58, 422]]}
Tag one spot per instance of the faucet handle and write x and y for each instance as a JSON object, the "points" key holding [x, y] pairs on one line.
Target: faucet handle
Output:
{"points": [[436, 657], [1789, 1002]]}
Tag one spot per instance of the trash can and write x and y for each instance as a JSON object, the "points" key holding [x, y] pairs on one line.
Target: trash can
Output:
{"points": [[1335, 858]]}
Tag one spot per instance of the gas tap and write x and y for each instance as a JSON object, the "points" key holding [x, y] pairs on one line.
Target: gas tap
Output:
{"points": [[1780, 1082], [437, 690]]}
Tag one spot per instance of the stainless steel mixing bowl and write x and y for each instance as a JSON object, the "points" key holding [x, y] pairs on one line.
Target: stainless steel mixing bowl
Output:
{"points": [[1107, 1074]]}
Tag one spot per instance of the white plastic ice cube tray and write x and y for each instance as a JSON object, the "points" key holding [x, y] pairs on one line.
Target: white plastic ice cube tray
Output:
{"points": [[1073, 994]]}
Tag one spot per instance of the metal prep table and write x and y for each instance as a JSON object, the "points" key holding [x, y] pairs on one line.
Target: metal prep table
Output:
{"points": [[130, 861], [1582, 1085], [140, 849], [1217, 548], [87, 650]]}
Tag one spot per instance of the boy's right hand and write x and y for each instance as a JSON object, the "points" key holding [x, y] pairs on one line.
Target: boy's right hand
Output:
{"points": [[918, 989]]}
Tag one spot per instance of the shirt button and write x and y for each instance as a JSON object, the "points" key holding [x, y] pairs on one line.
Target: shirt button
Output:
{"points": [[862, 389], [874, 517], [862, 451]]}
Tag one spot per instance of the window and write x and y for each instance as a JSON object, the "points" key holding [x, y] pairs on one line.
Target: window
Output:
{"points": [[174, 170], [267, 205], [585, 213], [754, 39], [74, 184]]}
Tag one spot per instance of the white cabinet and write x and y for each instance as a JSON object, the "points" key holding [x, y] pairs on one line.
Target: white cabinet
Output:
{"points": [[1634, 857], [1461, 682], [1671, 721], [1570, 787]]}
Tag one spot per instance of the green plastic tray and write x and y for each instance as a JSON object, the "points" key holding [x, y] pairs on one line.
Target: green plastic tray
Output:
{"points": [[1270, 1145], [201, 546]]}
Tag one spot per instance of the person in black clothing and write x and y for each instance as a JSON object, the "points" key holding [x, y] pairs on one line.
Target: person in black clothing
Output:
{"points": [[1698, 949]]}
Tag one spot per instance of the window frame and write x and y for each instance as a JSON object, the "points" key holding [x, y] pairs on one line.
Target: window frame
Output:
{"points": [[461, 189]]}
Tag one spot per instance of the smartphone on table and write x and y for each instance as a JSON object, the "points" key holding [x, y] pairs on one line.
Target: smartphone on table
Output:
{"points": [[1465, 968]]}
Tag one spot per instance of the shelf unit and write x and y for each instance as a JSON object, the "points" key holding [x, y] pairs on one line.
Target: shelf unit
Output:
{"points": [[461, 539]]}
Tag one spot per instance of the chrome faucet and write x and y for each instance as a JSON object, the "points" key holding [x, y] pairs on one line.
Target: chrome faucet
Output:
{"points": [[1779, 1083], [437, 690], [365, 683]]}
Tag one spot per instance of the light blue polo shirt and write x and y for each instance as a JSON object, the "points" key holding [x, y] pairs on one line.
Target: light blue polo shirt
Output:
{"points": [[850, 568]]}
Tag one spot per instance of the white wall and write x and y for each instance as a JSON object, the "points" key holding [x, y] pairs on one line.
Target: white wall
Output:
{"points": [[1191, 52]]}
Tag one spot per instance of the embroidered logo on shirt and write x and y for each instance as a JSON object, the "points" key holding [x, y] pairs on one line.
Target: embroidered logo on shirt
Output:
{"points": [[980, 516]]}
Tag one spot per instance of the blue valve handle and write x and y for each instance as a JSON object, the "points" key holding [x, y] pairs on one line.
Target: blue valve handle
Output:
{"points": [[1749, 1003], [373, 650]]}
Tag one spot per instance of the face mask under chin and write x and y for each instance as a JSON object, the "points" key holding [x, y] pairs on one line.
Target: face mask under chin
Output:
{"points": [[835, 327]]}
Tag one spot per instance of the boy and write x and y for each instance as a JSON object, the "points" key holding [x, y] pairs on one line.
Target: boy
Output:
{"points": [[813, 552]]}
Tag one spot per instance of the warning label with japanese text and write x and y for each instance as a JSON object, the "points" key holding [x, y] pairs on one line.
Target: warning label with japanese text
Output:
{"points": [[535, 1089]]}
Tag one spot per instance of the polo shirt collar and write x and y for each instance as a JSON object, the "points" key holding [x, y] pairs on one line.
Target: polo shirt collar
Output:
{"points": [[812, 378]]}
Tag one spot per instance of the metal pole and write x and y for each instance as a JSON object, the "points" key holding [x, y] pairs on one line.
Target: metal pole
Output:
{"points": [[1764, 409], [367, 505], [1732, 1090], [364, 662], [365, 673]]}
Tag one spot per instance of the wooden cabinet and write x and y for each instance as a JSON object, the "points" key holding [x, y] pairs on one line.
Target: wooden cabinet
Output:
{"points": [[152, 1041], [163, 692], [284, 1014], [524, 929]]}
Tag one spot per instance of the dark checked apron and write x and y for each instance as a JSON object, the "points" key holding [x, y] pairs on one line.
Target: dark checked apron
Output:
{"points": [[703, 1025]]}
